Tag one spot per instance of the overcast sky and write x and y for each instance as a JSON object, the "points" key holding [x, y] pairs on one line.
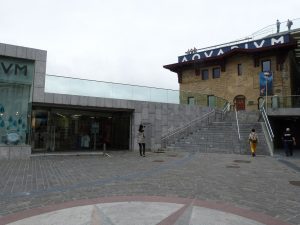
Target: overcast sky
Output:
{"points": [[129, 41]]}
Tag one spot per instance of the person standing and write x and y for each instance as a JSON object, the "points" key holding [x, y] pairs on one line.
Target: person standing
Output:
{"points": [[289, 23], [253, 139], [141, 140], [288, 142], [278, 26]]}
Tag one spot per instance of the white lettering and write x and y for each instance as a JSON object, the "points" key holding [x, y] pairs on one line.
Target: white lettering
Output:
{"points": [[184, 59], [196, 55], [279, 40], [208, 55], [260, 45], [246, 46], [233, 47], [220, 52]]}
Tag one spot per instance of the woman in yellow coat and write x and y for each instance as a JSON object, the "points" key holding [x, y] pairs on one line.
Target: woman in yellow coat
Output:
{"points": [[253, 142]]}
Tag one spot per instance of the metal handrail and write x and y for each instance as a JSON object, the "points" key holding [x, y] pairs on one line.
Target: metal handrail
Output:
{"points": [[176, 133], [237, 124], [266, 120], [187, 128], [225, 109]]}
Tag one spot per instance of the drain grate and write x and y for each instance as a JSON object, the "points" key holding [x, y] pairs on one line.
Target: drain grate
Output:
{"points": [[158, 160], [242, 161], [174, 155], [232, 166], [294, 182]]}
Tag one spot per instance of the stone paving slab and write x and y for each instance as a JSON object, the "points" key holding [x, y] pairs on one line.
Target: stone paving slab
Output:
{"points": [[261, 184], [136, 210]]}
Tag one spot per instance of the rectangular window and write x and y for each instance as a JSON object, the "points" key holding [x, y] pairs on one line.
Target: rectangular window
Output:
{"points": [[191, 101], [266, 65], [240, 69], [14, 111], [216, 73], [204, 74], [211, 101]]}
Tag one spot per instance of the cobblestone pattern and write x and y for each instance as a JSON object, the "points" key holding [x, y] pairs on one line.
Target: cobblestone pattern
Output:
{"points": [[260, 184]]}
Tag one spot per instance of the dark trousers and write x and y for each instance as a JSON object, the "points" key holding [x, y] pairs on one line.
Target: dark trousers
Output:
{"points": [[142, 148], [288, 148]]}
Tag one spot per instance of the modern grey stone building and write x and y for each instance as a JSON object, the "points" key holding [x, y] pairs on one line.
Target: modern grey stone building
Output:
{"points": [[43, 113]]}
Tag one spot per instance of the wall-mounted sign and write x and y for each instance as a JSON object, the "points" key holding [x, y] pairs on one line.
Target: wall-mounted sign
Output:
{"points": [[16, 70], [262, 43], [266, 83]]}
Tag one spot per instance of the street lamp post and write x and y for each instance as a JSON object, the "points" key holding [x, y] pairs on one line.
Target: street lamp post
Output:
{"points": [[266, 79], [266, 93]]}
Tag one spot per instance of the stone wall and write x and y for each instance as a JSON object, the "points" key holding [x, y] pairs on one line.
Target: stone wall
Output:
{"points": [[15, 152], [230, 85]]}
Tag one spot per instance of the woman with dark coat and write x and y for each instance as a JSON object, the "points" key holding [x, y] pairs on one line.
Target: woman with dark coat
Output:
{"points": [[141, 140]]}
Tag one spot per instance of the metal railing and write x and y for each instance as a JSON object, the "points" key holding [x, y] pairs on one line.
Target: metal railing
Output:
{"points": [[225, 110], [277, 101], [266, 120], [268, 30], [193, 125], [237, 123], [186, 129], [238, 129]]}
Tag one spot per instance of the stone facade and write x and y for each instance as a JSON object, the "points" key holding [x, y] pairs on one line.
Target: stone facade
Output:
{"points": [[230, 84]]}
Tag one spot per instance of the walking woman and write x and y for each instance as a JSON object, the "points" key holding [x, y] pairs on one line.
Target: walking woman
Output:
{"points": [[141, 140], [253, 142]]}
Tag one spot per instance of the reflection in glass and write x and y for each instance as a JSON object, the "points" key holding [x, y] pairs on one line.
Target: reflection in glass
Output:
{"points": [[81, 87], [13, 113]]}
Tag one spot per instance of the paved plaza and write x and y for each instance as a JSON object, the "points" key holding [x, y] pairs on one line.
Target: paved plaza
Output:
{"points": [[161, 188]]}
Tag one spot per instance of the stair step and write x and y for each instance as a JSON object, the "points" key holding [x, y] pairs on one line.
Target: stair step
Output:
{"points": [[221, 137]]}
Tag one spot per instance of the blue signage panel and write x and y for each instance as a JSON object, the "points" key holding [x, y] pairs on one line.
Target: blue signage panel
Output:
{"points": [[16, 70], [266, 83], [261, 43]]}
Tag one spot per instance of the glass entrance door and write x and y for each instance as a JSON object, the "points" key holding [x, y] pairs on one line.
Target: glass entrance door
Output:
{"points": [[39, 130], [60, 130]]}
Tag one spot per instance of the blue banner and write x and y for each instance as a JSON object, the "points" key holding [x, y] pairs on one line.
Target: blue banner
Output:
{"points": [[266, 83]]}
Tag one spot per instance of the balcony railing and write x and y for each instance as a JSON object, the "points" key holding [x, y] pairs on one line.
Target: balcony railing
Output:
{"points": [[266, 31], [276, 101], [92, 88]]}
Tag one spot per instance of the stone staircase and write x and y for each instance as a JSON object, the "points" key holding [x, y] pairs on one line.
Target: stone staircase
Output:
{"points": [[222, 137]]}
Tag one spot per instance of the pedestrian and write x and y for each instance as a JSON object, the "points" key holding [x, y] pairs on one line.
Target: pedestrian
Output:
{"points": [[253, 139], [289, 23], [278, 26], [141, 140], [288, 142]]}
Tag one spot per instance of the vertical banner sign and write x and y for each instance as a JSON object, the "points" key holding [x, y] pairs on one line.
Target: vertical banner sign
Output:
{"points": [[266, 83]]}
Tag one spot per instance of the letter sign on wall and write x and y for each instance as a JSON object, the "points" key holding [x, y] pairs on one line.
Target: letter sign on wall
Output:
{"points": [[16, 70]]}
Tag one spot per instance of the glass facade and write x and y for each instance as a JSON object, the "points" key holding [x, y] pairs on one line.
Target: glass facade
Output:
{"points": [[15, 87], [73, 86], [58, 129]]}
